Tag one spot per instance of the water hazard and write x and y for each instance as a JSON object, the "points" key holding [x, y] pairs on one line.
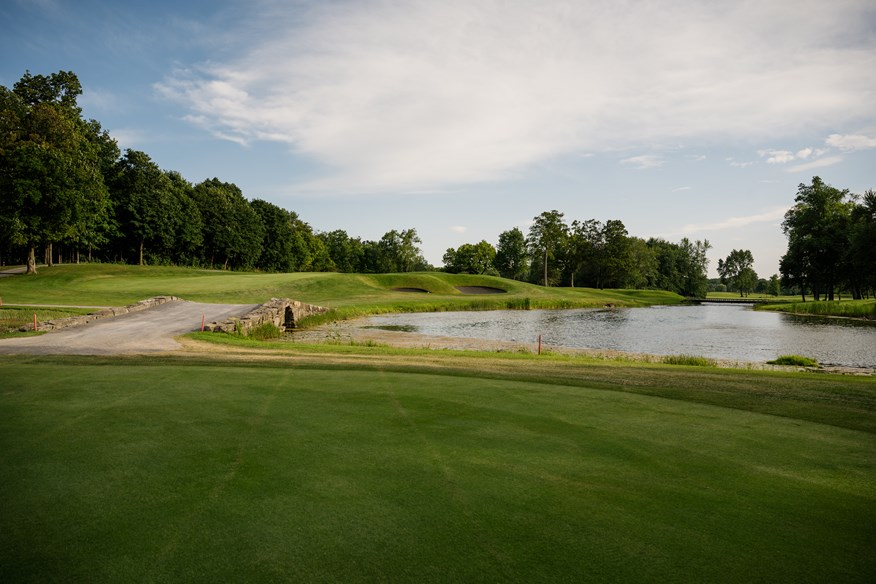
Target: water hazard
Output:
{"points": [[722, 332]]}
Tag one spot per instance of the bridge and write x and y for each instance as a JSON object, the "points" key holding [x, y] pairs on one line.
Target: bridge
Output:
{"points": [[735, 300]]}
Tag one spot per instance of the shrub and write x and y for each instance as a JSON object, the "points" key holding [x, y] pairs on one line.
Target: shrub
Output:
{"points": [[692, 360], [795, 360]]}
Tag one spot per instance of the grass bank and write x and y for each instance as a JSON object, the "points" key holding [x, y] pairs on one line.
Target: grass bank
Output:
{"points": [[14, 317], [167, 470], [863, 309], [348, 294]]}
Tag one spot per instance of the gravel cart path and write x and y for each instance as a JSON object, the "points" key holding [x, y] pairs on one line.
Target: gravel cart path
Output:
{"points": [[147, 331]]}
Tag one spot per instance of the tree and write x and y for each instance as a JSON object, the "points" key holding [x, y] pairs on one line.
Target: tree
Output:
{"points": [[736, 271], [860, 260], [399, 252], [470, 258], [346, 253], [511, 259], [50, 180], [233, 232], [546, 236], [144, 205], [774, 286], [817, 230]]}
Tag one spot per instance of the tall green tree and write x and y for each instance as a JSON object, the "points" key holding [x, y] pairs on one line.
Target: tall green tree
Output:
{"points": [[817, 229], [736, 271], [399, 251], [50, 180], [511, 259], [233, 232], [860, 261], [546, 238], [144, 206]]}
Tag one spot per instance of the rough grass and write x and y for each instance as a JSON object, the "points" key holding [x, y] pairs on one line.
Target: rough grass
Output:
{"points": [[14, 317], [167, 470], [865, 309], [691, 360], [795, 360]]}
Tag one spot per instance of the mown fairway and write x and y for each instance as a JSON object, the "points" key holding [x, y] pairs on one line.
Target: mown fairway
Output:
{"points": [[351, 294], [159, 470]]}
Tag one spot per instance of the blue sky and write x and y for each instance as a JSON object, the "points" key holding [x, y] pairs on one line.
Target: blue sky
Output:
{"points": [[465, 118]]}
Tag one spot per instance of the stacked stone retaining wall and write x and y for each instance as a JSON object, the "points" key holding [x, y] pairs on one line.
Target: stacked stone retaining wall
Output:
{"points": [[284, 313], [68, 321]]}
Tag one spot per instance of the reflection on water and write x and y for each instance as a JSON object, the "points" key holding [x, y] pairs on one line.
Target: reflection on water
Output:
{"points": [[723, 332]]}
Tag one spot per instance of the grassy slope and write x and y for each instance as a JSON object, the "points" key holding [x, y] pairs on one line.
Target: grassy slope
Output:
{"points": [[350, 293], [165, 471]]}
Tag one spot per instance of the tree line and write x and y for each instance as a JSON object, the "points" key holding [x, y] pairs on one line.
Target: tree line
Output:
{"points": [[587, 253], [67, 190]]}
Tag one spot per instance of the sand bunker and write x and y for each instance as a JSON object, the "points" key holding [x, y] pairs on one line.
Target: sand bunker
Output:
{"points": [[415, 290], [480, 290]]}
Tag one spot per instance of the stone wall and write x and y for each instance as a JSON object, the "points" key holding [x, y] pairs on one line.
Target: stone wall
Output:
{"points": [[59, 323], [284, 313]]}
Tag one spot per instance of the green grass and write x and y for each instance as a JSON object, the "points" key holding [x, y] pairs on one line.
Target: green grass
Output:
{"points": [[690, 360], [865, 309], [349, 294], [796, 360], [163, 470], [14, 317]]}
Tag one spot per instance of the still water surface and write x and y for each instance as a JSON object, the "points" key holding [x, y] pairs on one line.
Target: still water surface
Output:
{"points": [[733, 332]]}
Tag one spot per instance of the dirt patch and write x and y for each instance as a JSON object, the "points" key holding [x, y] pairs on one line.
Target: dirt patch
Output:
{"points": [[480, 290], [413, 290]]}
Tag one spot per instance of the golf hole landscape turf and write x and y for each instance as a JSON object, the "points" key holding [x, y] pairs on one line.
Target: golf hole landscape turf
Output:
{"points": [[158, 471]]}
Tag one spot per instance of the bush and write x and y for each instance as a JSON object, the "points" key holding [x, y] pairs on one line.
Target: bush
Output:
{"points": [[795, 360], [692, 360], [266, 332]]}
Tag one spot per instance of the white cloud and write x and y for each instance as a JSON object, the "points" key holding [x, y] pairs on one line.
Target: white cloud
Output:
{"points": [[776, 156], [458, 229], [737, 164], [422, 94], [805, 153], [679, 189], [772, 215], [644, 162], [817, 163], [851, 141]]}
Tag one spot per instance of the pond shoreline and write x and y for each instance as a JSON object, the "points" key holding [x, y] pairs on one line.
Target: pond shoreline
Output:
{"points": [[356, 332]]}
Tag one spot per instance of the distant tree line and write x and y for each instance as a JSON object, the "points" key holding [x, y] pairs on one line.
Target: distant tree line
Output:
{"points": [[586, 253]]}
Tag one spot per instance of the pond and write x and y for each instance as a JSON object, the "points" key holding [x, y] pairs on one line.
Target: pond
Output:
{"points": [[735, 332]]}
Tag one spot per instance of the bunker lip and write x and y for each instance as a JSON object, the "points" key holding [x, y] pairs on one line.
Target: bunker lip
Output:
{"points": [[412, 290], [480, 290]]}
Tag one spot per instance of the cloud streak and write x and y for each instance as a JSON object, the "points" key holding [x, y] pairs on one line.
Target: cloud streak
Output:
{"points": [[424, 94], [772, 215]]}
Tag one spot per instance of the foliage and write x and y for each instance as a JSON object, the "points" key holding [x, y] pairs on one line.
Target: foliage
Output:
{"points": [[511, 259], [737, 273], [865, 309], [470, 258], [265, 332], [830, 241], [690, 360], [795, 360], [545, 241], [51, 188]]}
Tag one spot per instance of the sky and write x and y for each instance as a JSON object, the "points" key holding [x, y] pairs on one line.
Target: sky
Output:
{"points": [[465, 118]]}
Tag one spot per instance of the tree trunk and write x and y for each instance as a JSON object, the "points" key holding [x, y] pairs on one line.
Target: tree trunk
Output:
{"points": [[31, 260], [49, 260], [141, 252], [545, 268]]}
